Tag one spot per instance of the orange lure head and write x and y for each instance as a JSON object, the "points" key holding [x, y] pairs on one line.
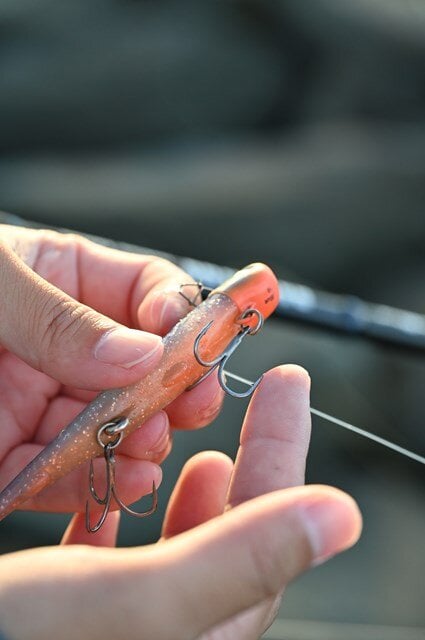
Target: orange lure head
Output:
{"points": [[254, 287]]}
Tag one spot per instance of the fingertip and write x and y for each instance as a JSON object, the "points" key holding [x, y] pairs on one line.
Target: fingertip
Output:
{"points": [[286, 387], [214, 462], [150, 440], [332, 520], [267, 543], [289, 374], [200, 492], [197, 407], [280, 407]]}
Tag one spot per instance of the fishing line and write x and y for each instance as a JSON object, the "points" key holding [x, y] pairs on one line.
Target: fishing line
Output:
{"points": [[350, 427]]}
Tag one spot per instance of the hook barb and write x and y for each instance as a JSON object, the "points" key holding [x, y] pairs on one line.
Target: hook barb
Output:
{"points": [[139, 514]]}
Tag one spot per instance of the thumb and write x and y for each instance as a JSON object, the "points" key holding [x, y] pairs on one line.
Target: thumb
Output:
{"points": [[69, 341], [244, 557]]}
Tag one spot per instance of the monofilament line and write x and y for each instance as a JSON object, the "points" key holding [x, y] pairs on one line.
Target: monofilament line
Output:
{"points": [[371, 436], [350, 427]]}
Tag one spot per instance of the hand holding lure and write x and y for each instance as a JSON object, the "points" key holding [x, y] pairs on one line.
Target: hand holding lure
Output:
{"points": [[200, 342]]}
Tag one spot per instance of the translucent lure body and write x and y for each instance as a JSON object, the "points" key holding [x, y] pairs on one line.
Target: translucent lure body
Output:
{"points": [[253, 287]]}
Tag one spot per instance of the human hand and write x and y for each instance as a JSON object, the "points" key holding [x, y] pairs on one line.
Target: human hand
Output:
{"points": [[65, 307], [226, 552]]}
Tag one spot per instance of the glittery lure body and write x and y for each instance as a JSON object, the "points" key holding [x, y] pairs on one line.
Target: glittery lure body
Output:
{"points": [[253, 287]]}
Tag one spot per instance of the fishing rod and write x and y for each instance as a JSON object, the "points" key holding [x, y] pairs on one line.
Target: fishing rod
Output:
{"points": [[300, 303], [342, 313]]}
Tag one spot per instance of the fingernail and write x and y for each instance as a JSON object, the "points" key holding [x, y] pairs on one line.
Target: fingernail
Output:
{"points": [[162, 435], [159, 447], [213, 407], [126, 347], [167, 307], [331, 526]]}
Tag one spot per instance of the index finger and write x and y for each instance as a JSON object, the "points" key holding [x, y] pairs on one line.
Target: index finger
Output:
{"points": [[141, 291], [275, 436], [110, 281]]}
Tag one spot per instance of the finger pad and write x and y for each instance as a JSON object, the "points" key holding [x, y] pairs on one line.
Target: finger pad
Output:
{"points": [[200, 493]]}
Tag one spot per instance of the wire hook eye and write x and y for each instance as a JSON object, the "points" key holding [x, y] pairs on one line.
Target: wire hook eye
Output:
{"points": [[115, 427]]}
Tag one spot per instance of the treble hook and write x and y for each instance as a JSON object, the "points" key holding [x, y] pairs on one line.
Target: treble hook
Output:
{"points": [[114, 428], [222, 360], [201, 293]]}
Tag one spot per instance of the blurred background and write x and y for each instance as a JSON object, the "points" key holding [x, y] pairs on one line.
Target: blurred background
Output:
{"points": [[287, 131]]}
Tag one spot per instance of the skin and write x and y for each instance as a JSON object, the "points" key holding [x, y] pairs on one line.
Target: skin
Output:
{"points": [[234, 534], [60, 366]]}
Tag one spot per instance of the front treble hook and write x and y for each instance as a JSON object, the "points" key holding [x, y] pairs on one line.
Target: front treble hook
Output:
{"points": [[221, 361], [111, 429]]}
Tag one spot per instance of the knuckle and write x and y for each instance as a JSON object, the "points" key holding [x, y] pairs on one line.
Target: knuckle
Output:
{"points": [[156, 265], [64, 242], [77, 241], [266, 566], [61, 321], [275, 564], [47, 235]]}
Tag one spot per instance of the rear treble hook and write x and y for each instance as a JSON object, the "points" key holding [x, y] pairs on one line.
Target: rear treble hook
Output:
{"points": [[114, 428], [222, 359]]}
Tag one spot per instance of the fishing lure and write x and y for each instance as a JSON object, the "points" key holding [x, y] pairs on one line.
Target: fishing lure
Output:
{"points": [[199, 343]]}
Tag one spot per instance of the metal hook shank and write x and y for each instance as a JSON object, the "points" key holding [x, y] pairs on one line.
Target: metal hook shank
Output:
{"points": [[222, 359], [115, 428]]}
